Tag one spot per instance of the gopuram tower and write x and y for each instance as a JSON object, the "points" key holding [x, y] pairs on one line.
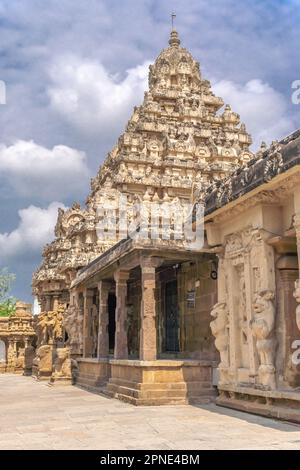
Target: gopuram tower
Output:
{"points": [[176, 143]]}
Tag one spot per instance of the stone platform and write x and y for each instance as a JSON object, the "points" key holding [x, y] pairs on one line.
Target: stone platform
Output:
{"points": [[161, 382], [284, 405], [93, 374]]}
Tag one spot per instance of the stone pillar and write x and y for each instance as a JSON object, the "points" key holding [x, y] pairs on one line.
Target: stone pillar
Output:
{"points": [[148, 335], [88, 304], [10, 355], [253, 363], [103, 339], [48, 303], [288, 331], [121, 347], [55, 302]]}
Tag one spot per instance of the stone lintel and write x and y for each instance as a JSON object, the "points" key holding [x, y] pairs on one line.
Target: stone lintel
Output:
{"points": [[283, 245]]}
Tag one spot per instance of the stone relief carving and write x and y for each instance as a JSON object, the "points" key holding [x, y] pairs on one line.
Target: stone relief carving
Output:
{"points": [[49, 326], [262, 326], [220, 329], [73, 324]]}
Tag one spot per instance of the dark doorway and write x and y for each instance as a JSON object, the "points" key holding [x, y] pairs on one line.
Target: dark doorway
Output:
{"points": [[172, 317], [111, 321]]}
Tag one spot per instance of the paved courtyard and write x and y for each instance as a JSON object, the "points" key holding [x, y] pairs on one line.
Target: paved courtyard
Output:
{"points": [[35, 416]]}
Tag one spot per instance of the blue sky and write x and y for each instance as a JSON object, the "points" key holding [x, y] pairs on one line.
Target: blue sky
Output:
{"points": [[74, 70]]}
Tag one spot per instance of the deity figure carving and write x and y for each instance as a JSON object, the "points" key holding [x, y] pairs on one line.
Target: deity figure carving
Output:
{"points": [[49, 326], [262, 326]]}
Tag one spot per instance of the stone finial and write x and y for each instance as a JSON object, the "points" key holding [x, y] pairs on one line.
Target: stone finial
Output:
{"points": [[174, 40]]}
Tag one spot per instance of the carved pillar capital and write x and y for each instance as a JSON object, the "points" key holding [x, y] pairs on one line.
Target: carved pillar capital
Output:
{"points": [[121, 276], [150, 262]]}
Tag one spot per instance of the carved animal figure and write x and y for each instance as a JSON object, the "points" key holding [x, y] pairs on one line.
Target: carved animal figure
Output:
{"points": [[62, 363], [44, 358], [262, 326], [219, 328]]}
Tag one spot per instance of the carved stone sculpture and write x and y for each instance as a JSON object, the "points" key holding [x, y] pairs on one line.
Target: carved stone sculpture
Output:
{"points": [[64, 368], [262, 326], [43, 362], [220, 329], [73, 324]]}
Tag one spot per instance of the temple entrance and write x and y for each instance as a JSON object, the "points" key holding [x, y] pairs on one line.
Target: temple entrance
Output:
{"points": [[111, 321], [172, 317]]}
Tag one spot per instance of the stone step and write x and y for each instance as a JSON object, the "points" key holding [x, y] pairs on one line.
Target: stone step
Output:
{"points": [[90, 381], [150, 402], [148, 386], [157, 392]]}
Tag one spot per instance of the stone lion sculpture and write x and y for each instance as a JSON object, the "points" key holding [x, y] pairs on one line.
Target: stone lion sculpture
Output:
{"points": [[73, 323], [62, 363], [64, 368], [219, 327], [262, 326], [43, 360], [297, 297]]}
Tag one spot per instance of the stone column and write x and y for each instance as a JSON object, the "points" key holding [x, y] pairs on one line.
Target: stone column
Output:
{"points": [[253, 365], [148, 335], [48, 303], [55, 302], [288, 332], [103, 339], [121, 347], [10, 354], [88, 303]]}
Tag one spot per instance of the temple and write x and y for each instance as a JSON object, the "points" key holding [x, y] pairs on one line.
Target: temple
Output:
{"points": [[154, 318], [17, 341]]}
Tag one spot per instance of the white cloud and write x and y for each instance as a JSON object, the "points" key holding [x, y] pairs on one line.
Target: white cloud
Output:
{"points": [[262, 108], [35, 229], [34, 170], [87, 96]]}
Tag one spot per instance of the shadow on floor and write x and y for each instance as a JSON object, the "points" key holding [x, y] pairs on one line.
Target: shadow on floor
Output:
{"points": [[250, 418]]}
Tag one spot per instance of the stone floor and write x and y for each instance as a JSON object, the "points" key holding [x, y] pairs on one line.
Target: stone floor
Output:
{"points": [[35, 416]]}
